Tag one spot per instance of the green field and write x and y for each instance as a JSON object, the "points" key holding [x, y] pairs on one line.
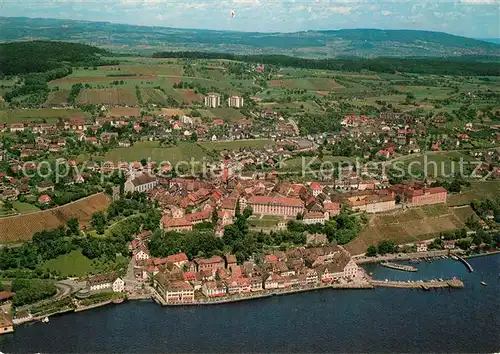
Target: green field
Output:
{"points": [[478, 190], [228, 114], [24, 208], [434, 165], [75, 264], [151, 149], [71, 264], [236, 144], [38, 115]]}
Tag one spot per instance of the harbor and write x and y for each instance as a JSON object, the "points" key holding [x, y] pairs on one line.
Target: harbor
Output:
{"points": [[276, 320]]}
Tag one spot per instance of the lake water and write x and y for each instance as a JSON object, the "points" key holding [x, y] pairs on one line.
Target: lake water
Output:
{"points": [[381, 320]]}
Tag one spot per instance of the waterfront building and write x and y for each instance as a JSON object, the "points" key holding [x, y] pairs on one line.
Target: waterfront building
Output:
{"points": [[238, 285], [105, 282], [118, 285], [173, 291], [212, 100], [213, 289], [421, 247], [235, 101], [274, 281], [256, 284], [140, 183], [6, 325]]}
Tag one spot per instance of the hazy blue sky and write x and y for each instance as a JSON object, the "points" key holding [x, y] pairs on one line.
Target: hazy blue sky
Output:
{"points": [[471, 18]]}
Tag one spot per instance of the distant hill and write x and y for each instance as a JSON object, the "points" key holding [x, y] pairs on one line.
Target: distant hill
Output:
{"points": [[317, 44], [491, 40]]}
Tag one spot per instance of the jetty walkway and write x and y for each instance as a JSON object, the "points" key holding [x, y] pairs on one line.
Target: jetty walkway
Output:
{"points": [[467, 264], [451, 283]]}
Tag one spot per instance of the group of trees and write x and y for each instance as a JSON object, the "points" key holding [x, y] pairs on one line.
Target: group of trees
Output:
{"points": [[383, 65]]}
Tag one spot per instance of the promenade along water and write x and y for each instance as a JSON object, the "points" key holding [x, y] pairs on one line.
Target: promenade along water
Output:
{"points": [[381, 320]]}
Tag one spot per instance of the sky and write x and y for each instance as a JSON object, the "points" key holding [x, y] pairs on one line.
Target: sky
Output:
{"points": [[470, 18]]}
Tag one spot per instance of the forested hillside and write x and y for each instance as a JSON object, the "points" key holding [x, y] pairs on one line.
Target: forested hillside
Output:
{"points": [[40, 56]]}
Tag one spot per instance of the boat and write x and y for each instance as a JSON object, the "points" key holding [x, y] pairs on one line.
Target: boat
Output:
{"points": [[484, 283], [455, 258], [45, 319], [403, 267]]}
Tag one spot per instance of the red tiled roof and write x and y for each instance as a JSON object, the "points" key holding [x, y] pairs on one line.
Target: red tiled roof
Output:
{"points": [[179, 257], [257, 199]]}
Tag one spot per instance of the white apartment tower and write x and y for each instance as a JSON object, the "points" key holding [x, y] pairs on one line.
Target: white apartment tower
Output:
{"points": [[235, 101], [212, 100]]}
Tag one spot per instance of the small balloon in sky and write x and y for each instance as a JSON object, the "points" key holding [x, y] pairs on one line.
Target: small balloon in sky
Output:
{"points": [[233, 14]]}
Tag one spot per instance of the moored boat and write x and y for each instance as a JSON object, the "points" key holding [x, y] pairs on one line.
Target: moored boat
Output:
{"points": [[45, 319]]}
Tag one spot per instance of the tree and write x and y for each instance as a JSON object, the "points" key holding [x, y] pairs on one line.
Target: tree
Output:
{"points": [[99, 221], [371, 251], [237, 210], [215, 217], [247, 212], [73, 226]]}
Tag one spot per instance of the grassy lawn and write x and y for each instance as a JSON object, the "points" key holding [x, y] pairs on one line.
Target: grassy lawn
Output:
{"points": [[76, 264], [265, 221], [71, 264], [151, 149], [24, 208]]}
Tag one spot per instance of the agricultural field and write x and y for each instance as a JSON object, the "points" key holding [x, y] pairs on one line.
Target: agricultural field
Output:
{"points": [[57, 98], [236, 144], [151, 149], [410, 225], [22, 228], [108, 96], [152, 95], [226, 113], [38, 115], [477, 190]]}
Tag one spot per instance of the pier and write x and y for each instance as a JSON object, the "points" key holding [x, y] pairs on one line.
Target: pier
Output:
{"points": [[451, 283], [467, 264]]}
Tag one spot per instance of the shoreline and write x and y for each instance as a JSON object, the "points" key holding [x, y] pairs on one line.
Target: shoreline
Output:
{"points": [[368, 284]]}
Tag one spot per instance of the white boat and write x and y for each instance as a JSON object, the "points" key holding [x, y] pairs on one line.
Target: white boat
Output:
{"points": [[45, 320]]}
